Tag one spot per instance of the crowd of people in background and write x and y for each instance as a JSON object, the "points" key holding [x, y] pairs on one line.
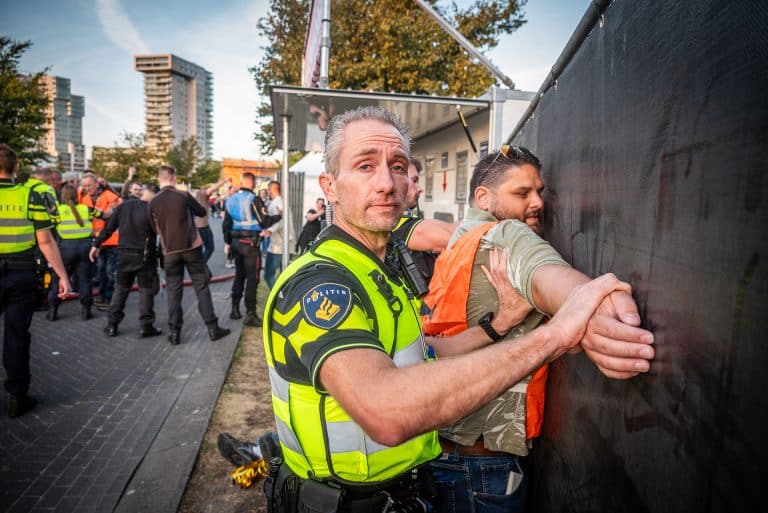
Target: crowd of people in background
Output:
{"points": [[84, 237]]}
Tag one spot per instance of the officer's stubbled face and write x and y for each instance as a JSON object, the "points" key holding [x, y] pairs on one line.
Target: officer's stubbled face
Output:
{"points": [[368, 195], [518, 196]]}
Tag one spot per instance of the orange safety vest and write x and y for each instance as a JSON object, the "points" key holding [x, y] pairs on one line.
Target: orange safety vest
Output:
{"points": [[105, 199], [447, 300]]}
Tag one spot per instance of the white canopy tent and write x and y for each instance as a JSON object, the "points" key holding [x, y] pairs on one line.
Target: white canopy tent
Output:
{"points": [[311, 166]]}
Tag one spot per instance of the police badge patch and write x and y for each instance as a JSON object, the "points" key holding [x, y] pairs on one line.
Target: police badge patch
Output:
{"points": [[327, 305]]}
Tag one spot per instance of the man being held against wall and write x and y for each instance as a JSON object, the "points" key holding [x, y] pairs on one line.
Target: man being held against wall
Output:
{"points": [[505, 213]]}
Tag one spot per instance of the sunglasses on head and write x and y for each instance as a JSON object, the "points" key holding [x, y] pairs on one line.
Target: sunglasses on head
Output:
{"points": [[515, 153]]}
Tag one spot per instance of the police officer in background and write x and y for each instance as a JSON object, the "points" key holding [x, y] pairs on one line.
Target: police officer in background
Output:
{"points": [[24, 224], [75, 231], [245, 217], [345, 348]]}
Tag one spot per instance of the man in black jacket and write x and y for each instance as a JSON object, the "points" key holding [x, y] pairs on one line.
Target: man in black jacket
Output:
{"points": [[171, 214], [136, 260]]}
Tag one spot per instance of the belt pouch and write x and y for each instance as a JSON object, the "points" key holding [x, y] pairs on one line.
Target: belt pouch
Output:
{"points": [[318, 497]]}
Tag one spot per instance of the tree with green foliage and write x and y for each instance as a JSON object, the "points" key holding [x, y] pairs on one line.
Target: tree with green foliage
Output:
{"points": [[22, 104], [387, 46], [131, 150], [207, 173], [184, 157]]}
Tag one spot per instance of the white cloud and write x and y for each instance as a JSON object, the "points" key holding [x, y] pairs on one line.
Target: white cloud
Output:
{"points": [[117, 26]]}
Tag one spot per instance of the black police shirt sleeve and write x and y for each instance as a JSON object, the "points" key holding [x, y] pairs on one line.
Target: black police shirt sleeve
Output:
{"points": [[37, 212], [404, 228], [325, 314]]}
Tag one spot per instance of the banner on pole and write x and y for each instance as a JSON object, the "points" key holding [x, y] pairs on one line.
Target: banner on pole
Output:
{"points": [[310, 67]]}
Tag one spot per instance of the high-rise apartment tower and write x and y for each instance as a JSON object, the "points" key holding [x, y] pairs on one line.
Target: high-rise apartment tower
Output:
{"points": [[178, 101], [64, 136]]}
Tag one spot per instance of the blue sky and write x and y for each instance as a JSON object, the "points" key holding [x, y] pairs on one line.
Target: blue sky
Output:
{"points": [[92, 42]]}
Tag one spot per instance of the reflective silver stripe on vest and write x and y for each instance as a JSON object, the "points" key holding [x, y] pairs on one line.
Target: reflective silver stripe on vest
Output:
{"points": [[284, 432], [279, 385], [343, 436], [18, 237], [286, 436], [76, 229], [15, 222], [349, 437], [411, 354]]}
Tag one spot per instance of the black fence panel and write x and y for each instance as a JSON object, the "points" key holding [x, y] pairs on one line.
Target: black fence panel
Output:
{"points": [[654, 142]]}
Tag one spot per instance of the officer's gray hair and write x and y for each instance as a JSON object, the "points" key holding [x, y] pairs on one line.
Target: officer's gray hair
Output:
{"points": [[335, 132]]}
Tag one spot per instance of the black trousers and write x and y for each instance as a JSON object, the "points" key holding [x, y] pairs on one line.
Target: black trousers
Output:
{"points": [[131, 266], [247, 269], [192, 261], [17, 302]]}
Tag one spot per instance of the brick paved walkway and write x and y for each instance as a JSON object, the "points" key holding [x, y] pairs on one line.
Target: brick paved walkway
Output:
{"points": [[119, 420]]}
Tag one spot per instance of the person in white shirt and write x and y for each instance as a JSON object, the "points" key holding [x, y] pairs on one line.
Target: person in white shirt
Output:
{"points": [[274, 260]]}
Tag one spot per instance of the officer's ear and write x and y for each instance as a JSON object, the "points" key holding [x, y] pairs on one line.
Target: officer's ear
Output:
{"points": [[328, 185]]}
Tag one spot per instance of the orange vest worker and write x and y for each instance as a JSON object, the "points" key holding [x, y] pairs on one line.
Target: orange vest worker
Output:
{"points": [[448, 291], [105, 199]]}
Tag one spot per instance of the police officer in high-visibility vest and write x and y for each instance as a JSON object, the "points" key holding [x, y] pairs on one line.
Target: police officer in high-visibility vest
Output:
{"points": [[40, 182], [355, 399], [75, 231], [24, 224], [244, 220]]}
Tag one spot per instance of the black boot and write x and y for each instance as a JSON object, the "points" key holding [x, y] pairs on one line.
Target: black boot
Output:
{"points": [[252, 319], [85, 313], [53, 313], [149, 331], [235, 313], [235, 451], [174, 338], [215, 332], [111, 330], [21, 404]]}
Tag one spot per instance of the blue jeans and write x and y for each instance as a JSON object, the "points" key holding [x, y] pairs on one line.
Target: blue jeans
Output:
{"points": [[107, 269], [207, 235], [274, 263], [478, 484]]}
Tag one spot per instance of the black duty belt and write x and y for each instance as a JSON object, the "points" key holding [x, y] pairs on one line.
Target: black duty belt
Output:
{"points": [[16, 264], [354, 497], [244, 233]]}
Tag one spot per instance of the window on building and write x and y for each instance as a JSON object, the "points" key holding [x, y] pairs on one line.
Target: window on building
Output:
{"points": [[429, 178], [483, 149], [462, 168], [444, 160]]}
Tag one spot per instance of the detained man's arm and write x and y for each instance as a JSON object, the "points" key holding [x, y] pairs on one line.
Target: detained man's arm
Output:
{"points": [[394, 404], [47, 244], [613, 340], [431, 235], [511, 310]]}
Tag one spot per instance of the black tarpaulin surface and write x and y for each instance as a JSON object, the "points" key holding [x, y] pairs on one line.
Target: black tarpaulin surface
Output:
{"points": [[654, 144]]}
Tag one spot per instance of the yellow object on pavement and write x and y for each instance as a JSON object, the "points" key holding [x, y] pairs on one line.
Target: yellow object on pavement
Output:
{"points": [[248, 474]]}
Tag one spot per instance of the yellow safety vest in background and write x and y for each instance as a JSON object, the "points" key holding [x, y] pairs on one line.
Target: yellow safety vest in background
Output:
{"points": [[68, 228], [47, 195]]}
